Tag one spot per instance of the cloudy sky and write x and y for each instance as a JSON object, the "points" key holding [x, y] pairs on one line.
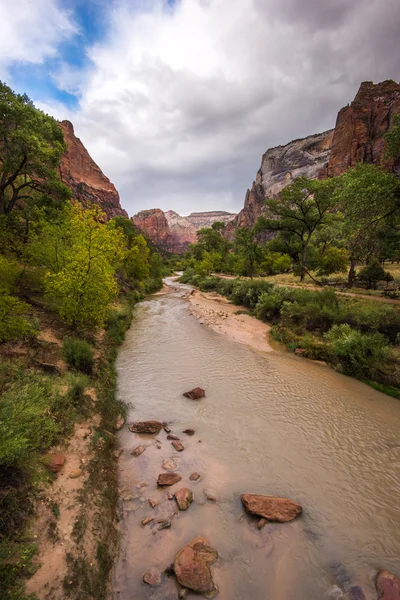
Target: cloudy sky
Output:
{"points": [[176, 100]]}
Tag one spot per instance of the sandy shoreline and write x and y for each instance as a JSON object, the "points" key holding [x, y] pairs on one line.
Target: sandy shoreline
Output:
{"points": [[218, 313]]}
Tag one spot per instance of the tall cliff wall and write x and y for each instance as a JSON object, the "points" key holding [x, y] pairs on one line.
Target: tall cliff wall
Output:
{"points": [[279, 167], [80, 173], [357, 136], [360, 127]]}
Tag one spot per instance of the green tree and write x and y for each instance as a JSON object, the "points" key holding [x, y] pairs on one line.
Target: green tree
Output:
{"points": [[247, 246], [81, 253], [31, 144], [369, 197], [300, 210]]}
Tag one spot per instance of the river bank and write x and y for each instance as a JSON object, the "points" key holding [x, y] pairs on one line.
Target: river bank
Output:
{"points": [[219, 314], [355, 336]]}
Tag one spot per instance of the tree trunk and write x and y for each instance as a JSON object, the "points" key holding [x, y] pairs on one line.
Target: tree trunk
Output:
{"points": [[352, 272]]}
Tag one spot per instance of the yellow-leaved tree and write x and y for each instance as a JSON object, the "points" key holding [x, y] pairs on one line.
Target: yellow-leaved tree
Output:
{"points": [[81, 252]]}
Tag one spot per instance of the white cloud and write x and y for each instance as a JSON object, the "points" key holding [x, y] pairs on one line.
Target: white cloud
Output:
{"points": [[180, 102], [31, 31]]}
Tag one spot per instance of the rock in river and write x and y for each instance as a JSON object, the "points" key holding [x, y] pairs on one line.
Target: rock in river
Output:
{"points": [[192, 568], [387, 585], [146, 427], [138, 450], [184, 498], [195, 394], [271, 508], [171, 436], [168, 478], [179, 447], [169, 464], [152, 577], [189, 431]]}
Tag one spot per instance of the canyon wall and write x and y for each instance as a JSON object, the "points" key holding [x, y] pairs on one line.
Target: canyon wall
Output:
{"points": [[80, 173], [173, 233], [279, 167], [360, 127], [357, 136]]}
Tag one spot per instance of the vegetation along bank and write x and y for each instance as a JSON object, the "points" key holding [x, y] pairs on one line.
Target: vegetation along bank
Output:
{"points": [[69, 277]]}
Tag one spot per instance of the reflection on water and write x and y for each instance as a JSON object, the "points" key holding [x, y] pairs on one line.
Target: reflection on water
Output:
{"points": [[270, 423]]}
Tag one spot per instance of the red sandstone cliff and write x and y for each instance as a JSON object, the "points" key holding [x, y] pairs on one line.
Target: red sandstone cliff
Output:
{"points": [[80, 173], [359, 130], [154, 225]]}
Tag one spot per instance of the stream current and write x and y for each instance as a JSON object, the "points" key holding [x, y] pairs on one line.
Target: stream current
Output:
{"points": [[271, 423]]}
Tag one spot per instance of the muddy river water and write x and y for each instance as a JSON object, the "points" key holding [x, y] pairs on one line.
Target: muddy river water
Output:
{"points": [[271, 423]]}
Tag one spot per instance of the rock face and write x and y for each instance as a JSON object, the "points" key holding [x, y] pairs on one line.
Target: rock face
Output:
{"points": [[182, 230], [279, 167], [80, 173], [206, 219], [192, 568], [154, 225], [173, 233], [360, 127], [357, 136], [387, 585], [271, 508]]}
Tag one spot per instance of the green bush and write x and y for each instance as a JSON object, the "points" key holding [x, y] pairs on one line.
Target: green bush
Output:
{"points": [[372, 273], [269, 306], [78, 355], [248, 292], [372, 316], [360, 354], [28, 425], [13, 323]]}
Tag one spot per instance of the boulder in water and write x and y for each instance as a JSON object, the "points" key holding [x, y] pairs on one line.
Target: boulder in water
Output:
{"points": [[169, 464], [146, 427], [189, 431], [195, 394], [271, 508], [184, 498], [168, 479], [179, 447], [387, 585], [192, 566], [152, 577], [172, 436], [138, 450]]}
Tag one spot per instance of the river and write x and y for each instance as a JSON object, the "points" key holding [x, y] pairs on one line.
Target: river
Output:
{"points": [[271, 423]]}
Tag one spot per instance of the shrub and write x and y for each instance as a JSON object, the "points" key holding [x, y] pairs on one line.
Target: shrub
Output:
{"points": [[13, 324], [248, 292], [117, 323], [78, 354], [360, 354], [372, 273], [269, 306], [28, 426], [372, 316]]}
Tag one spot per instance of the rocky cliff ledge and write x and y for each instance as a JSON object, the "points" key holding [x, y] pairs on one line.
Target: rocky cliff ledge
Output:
{"points": [[206, 219], [359, 130], [279, 167], [88, 183]]}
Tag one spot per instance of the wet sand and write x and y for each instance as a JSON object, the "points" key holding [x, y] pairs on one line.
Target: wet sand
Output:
{"points": [[219, 314]]}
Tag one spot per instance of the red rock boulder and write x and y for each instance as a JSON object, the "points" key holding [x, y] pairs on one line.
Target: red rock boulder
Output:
{"points": [[146, 427], [192, 566], [387, 585], [195, 394], [271, 508]]}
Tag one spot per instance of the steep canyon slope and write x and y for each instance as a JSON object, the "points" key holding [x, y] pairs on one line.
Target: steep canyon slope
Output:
{"points": [[86, 180]]}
